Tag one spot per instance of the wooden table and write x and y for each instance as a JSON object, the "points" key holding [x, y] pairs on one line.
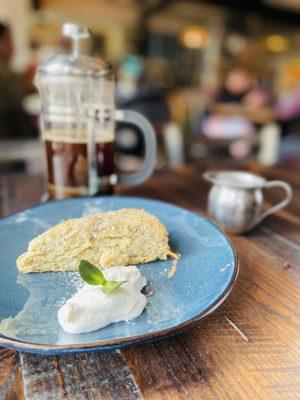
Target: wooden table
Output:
{"points": [[212, 360]]}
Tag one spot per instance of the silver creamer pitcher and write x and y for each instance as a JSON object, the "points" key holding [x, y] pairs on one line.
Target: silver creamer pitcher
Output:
{"points": [[236, 199]]}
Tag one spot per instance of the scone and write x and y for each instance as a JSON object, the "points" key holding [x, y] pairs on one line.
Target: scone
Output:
{"points": [[123, 237]]}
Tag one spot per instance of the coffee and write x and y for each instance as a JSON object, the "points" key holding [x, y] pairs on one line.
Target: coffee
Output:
{"points": [[68, 165]]}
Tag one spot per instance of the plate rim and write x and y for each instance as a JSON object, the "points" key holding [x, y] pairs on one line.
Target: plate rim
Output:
{"points": [[18, 344]]}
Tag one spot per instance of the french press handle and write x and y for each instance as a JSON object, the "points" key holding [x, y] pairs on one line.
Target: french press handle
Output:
{"points": [[134, 118]]}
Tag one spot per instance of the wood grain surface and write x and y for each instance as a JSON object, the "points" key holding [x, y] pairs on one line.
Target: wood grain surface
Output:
{"points": [[212, 360]]}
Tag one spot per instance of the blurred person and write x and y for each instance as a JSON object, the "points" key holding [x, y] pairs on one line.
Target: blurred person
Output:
{"points": [[238, 83], [288, 113], [135, 92], [14, 123], [236, 111], [129, 74]]}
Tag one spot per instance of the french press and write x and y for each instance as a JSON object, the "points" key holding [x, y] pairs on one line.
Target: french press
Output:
{"points": [[77, 123]]}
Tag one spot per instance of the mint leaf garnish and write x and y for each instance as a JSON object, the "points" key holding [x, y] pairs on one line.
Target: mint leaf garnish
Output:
{"points": [[93, 276], [111, 285], [90, 273]]}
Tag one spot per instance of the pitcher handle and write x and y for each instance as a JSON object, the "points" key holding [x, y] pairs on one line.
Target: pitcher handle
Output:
{"points": [[289, 194], [135, 118]]}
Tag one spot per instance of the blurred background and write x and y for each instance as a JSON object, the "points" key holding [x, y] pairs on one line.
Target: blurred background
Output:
{"points": [[217, 79]]}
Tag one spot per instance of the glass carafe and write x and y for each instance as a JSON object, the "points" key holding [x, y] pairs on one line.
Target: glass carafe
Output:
{"points": [[78, 123]]}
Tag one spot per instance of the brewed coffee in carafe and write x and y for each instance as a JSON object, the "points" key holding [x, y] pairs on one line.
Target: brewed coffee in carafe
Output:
{"points": [[68, 166]]}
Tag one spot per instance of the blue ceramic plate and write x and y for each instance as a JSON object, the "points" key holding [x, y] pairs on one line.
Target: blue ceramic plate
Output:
{"points": [[205, 274]]}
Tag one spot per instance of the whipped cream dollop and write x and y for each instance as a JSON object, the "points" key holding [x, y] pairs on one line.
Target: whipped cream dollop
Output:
{"points": [[90, 309]]}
